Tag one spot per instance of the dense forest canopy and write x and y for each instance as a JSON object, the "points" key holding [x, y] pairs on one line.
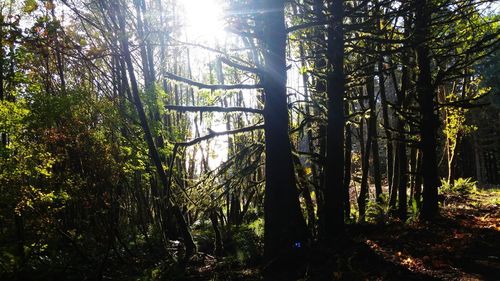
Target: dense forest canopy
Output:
{"points": [[249, 139]]}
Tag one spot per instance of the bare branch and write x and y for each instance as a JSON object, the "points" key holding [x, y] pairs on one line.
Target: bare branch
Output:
{"points": [[217, 134], [212, 109], [240, 66], [210, 86]]}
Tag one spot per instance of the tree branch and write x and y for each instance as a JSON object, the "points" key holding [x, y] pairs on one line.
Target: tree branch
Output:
{"points": [[212, 109], [240, 66], [305, 25], [210, 86], [216, 134]]}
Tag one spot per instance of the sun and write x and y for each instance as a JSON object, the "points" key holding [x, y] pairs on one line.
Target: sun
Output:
{"points": [[204, 19]]}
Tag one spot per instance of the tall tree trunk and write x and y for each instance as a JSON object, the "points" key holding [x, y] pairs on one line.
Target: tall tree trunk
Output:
{"points": [[385, 114], [334, 169], [347, 166], [374, 141], [311, 216], [3, 135], [402, 167], [429, 120], [320, 89], [393, 193], [387, 130], [418, 179], [413, 171], [284, 229], [402, 172], [365, 159]]}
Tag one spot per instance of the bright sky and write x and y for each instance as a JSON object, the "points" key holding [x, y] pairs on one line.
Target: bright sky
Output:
{"points": [[204, 19], [204, 24]]}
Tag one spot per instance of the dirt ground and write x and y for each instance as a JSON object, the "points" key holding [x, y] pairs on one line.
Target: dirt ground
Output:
{"points": [[462, 244]]}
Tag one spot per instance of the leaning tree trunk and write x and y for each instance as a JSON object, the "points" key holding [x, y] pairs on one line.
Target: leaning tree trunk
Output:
{"points": [[153, 152], [284, 228]]}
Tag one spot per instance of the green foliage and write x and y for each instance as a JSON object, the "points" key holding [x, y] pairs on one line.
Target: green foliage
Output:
{"points": [[462, 186], [489, 69], [414, 211], [377, 212], [258, 227], [247, 244], [242, 244], [30, 6], [204, 235], [76, 174]]}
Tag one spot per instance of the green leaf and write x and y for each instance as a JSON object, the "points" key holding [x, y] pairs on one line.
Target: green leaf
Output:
{"points": [[30, 6]]}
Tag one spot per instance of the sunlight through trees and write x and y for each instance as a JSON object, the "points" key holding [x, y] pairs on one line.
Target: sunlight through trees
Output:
{"points": [[249, 139]]}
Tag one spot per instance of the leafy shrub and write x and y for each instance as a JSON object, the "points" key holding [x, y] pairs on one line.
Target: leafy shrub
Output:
{"points": [[204, 235], [377, 211], [247, 243], [414, 211], [462, 186], [243, 244]]}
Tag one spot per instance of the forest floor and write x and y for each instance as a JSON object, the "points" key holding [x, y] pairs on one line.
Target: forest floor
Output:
{"points": [[462, 244]]}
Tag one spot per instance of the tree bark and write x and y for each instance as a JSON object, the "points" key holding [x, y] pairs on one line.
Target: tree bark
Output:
{"points": [[285, 231], [334, 168], [429, 120], [320, 89], [3, 135], [365, 166], [347, 166], [218, 250], [374, 141], [402, 167]]}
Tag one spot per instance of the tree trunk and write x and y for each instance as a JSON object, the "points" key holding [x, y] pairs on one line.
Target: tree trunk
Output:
{"points": [[320, 89], [385, 115], [334, 169], [347, 166], [307, 188], [429, 120], [402, 173], [413, 172], [3, 135], [284, 229], [218, 250], [153, 152], [418, 179], [365, 159], [374, 140], [306, 194], [402, 167]]}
